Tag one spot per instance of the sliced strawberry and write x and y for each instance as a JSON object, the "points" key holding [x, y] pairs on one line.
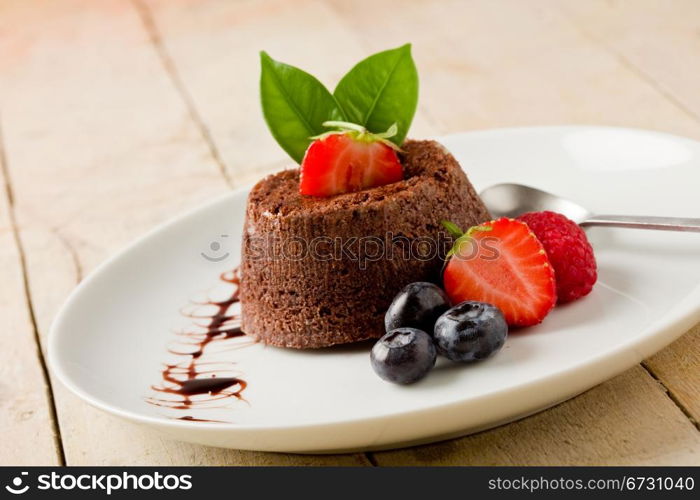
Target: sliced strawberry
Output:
{"points": [[343, 162], [502, 263]]}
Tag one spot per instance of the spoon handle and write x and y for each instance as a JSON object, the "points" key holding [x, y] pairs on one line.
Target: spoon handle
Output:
{"points": [[643, 222]]}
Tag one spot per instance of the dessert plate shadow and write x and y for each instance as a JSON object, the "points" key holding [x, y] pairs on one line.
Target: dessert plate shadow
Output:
{"points": [[119, 331]]}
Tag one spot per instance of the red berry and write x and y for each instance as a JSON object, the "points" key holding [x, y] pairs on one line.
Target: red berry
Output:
{"points": [[505, 266], [342, 163], [569, 252]]}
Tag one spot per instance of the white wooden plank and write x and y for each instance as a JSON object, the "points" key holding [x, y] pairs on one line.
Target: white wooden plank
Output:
{"points": [[26, 419]]}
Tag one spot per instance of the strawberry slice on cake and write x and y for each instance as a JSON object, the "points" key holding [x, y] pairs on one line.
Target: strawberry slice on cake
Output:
{"points": [[350, 159]]}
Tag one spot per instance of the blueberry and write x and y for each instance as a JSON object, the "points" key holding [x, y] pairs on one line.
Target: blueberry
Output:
{"points": [[470, 331], [418, 305], [403, 356]]}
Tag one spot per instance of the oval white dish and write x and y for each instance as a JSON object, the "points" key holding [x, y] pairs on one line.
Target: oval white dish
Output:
{"points": [[109, 342]]}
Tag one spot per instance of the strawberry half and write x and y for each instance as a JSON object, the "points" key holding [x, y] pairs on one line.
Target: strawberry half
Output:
{"points": [[349, 160], [502, 263]]}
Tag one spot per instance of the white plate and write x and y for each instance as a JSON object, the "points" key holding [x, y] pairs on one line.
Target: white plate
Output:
{"points": [[110, 340]]}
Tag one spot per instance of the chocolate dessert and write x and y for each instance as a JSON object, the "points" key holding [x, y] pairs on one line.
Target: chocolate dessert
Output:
{"points": [[322, 271]]}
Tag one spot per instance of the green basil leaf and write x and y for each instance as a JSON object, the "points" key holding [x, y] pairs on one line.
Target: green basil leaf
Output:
{"points": [[295, 105], [381, 90]]}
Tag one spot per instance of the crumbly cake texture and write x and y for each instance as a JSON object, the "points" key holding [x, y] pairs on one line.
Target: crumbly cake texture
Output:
{"points": [[299, 294]]}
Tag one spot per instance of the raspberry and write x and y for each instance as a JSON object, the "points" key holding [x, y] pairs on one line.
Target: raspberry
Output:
{"points": [[569, 252]]}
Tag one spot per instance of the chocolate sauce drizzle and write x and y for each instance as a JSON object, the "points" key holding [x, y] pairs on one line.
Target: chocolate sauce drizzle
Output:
{"points": [[193, 383]]}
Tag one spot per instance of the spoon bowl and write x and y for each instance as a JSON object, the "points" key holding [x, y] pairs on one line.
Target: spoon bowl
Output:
{"points": [[511, 200]]}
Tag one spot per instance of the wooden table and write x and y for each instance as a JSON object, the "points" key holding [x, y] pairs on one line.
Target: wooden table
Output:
{"points": [[117, 115]]}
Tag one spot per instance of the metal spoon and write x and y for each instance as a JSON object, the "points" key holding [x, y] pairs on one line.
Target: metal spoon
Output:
{"points": [[511, 200]]}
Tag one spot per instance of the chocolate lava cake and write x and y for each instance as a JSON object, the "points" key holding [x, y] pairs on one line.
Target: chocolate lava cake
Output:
{"points": [[322, 271]]}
